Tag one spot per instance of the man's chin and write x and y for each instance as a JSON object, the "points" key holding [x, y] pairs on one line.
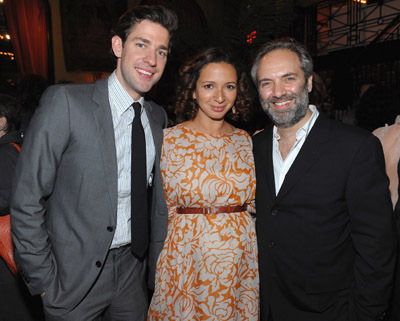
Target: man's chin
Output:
{"points": [[281, 124], [280, 119]]}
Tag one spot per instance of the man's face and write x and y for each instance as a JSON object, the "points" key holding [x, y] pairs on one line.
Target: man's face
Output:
{"points": [[282, 87], [142, 58]]}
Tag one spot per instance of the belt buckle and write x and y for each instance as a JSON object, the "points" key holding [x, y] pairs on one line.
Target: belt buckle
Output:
{"points": [[208, 210]]}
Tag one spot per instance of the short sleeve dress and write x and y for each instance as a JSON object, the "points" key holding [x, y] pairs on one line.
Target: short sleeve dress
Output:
{"points": [[208, 268]]}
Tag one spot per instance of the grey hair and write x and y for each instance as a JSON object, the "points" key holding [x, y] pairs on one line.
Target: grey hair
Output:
{"points": [[285, 44]]}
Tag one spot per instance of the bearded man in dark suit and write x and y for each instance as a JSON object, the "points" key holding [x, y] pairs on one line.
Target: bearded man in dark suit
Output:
{"points": [[325, 224]]}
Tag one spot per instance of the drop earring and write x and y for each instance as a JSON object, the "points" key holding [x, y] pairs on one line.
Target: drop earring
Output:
{"points": [[234, 110]]}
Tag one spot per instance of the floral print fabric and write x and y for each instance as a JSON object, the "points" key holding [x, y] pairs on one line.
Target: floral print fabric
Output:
{"points": [[208, 267]]}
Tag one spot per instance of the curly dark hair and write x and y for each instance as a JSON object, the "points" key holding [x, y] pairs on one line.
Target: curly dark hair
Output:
{"points": [[186, 106]]}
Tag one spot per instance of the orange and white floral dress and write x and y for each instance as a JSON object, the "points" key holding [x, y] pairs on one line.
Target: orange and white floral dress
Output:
{"points": [[208, 268]]}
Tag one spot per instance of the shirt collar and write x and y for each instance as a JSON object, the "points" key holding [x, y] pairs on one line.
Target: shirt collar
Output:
{"points": [[122, 100], [305, 129]]}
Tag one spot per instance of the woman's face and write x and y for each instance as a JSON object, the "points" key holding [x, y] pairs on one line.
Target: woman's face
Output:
{"points": [[216, 90]]}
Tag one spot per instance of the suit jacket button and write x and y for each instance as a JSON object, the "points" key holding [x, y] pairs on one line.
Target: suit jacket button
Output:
{"points": [[110, 228], [271, 244], [98, 264], [275, 212]]}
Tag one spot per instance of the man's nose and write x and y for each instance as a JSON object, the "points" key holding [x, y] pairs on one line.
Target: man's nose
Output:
{"points": [[151, 58], [279, 90]]}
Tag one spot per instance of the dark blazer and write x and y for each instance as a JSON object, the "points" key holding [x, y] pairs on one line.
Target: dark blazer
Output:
{"points": [[64, 205], [327, 240]]}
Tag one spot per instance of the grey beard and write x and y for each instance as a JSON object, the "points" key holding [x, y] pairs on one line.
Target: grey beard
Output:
{"points": [[292, 116]]}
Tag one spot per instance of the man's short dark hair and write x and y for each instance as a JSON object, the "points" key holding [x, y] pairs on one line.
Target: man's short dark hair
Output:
{"points": [[156, 13], [284, 44]]}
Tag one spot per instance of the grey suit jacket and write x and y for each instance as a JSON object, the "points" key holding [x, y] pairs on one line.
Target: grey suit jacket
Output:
{"points": [[64, 204]]}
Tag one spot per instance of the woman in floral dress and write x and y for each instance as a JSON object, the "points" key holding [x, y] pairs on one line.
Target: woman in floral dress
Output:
{"points": [[208, 267]]}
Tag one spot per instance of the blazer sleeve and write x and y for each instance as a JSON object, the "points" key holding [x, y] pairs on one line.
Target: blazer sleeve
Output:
{"points": [[34, 179], [372, 231]]}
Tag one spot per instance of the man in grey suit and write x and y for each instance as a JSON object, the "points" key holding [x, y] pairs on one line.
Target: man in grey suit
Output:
{"points": [[71, 206]]}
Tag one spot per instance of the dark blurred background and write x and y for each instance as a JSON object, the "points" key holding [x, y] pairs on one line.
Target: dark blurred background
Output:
{"points": [[353, 42]]}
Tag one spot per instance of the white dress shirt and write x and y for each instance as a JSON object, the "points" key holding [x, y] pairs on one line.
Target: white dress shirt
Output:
{"points": [[122, 116], [281, 167]]}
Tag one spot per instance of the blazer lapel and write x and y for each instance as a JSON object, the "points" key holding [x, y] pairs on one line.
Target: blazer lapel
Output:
{"points": [[309, 153], [156, 129], [266, 156], [103, 118]]}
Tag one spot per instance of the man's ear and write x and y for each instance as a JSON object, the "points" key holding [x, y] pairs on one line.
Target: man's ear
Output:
{"points": [[117, 45], [309, 83]]}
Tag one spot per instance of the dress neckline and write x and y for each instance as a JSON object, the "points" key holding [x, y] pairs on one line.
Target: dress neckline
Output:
{"points": [[185, 128]]}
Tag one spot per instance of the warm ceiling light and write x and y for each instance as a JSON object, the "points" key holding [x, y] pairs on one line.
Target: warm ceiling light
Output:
{"points": [[361, 1], [7, 36]]}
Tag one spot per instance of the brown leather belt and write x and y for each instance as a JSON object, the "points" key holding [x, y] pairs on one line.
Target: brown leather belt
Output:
{"points": [[211, 209]]}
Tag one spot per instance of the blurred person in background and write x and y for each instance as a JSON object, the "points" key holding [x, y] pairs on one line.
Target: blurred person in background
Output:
{"points": [[319, 96], [389, 135], [16, 303], [29, 92], [378, 106], [394, 309]]}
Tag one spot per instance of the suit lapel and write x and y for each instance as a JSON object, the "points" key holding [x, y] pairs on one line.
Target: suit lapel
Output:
{"points": [[266, 157], [103, 119], [156, 129], [309, 153]]}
